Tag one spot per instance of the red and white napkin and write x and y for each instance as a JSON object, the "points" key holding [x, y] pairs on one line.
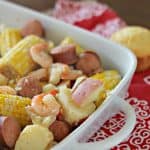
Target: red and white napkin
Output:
{"points": [[92, 16]]}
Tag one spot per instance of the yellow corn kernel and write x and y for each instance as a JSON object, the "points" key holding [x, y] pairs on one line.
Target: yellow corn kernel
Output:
{"points": [[69, 40], [110, 79], [18, 62], [11, 105], [9, 38], [102, 97]]}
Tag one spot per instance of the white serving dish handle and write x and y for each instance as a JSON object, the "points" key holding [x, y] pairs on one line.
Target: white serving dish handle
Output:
{"points": [[111, 141]]}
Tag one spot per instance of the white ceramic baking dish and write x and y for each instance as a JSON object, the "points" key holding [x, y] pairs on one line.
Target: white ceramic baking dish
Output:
{"points": [[113, 56]]}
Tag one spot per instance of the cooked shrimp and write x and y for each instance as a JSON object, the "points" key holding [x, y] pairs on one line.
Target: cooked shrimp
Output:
{"points": [[39, 55], [62, 71], [40, 74], [70, 74], [45, 105]]}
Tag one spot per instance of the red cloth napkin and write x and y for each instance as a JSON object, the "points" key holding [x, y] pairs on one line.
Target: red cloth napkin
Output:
{"points": [[92, 16], [101, 19]]}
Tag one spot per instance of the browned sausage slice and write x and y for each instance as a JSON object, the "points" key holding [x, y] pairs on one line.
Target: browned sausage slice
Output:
{"points": [[89, 63], [33, 27], [9, 130], [60, 130], [65, 54], [28, 87]]}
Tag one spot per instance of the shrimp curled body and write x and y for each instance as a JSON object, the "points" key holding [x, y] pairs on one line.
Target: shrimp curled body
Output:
{"points": [[39, 55], [45, 105]]}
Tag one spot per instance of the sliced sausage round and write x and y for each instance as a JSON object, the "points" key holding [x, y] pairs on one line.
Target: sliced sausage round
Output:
{"points": [[65, 54], [28, 87], [89, 63], [33, 27], [9, 131], [88, 91], [60, 130]]}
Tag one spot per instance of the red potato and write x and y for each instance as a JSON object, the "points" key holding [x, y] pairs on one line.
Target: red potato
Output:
{"points": [[86, 92], [60, 130], [89, 63], [65, 54], [9, 131], [33, 27]]}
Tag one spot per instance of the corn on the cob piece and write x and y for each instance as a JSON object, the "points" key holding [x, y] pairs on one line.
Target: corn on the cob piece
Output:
{"points": [[69, 40], [9, 38], [18, 62], [11, 105], [110, 79]]}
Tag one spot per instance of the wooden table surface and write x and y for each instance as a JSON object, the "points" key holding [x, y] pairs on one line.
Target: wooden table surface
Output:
{"points": [[135, 12]]}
